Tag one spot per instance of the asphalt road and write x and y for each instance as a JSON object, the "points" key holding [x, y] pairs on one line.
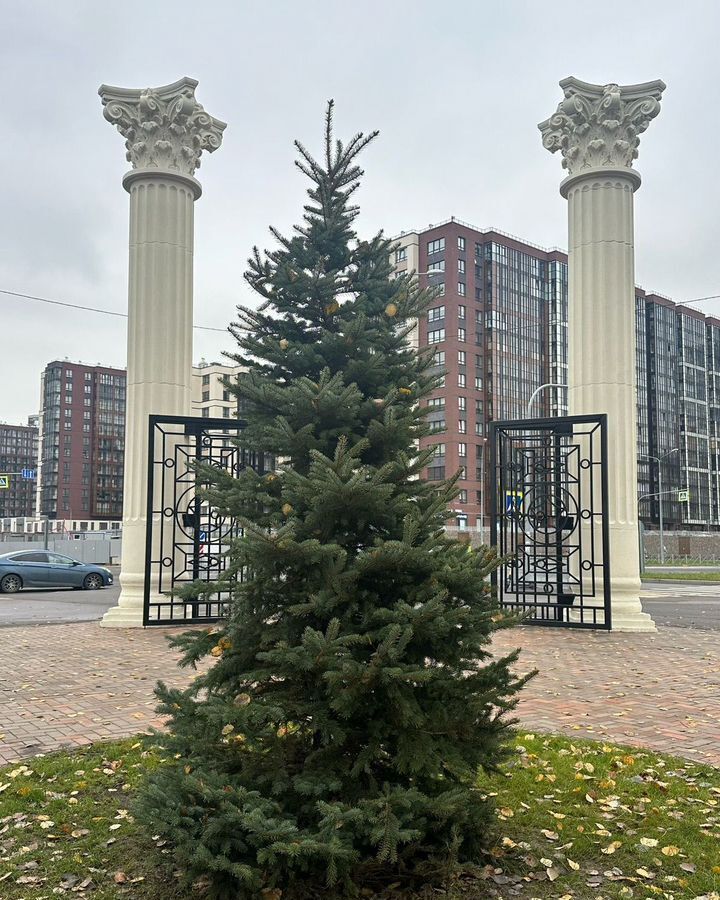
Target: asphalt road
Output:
{"points": [[55, 605], [688, 605]]}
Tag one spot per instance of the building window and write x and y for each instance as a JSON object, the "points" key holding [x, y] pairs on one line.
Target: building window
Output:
{"points": [[439, 358], [205, 396], [461, 357], [462, 334], [436, 313], [462, 449], [461, 267], [439, 449], [462, 426], [478, 428], [462, 380], [437, 266], [88, 376], [434, 337], [438, 425], [462, 403], [436, 402], [461, 288], [462, 312], [226, 413], [436, 246], [68, 425], [440, 289], [441, 381], [401, 254], [205, 380], [463, 473], [462, 496], [68, 413], [479, 407], [205, 411], [461, 243], [68, 373], [68, 398], [86, 426], [478, 383], [226, 396]]}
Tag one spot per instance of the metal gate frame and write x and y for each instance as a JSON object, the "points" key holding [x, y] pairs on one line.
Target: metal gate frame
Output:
{"points": [[540, 542], [186, 541]]}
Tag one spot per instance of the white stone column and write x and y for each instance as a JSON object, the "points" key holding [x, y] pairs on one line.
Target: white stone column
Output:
{"points": [[166, 130], [597, 128]]}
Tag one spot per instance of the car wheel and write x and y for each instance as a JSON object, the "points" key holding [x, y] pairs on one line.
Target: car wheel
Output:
{"points": [[10, 584], [92, 582]]}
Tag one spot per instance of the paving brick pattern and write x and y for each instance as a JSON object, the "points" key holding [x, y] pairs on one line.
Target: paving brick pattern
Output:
{"points": [[69, 685]]}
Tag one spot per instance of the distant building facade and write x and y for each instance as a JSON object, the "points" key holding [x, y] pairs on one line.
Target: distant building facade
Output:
{"points": [[18, 455], [210, 396], [499, 331], [82, 441]]}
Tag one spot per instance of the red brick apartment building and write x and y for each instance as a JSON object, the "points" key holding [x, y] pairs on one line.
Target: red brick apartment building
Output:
{"points": [[498, 329]]}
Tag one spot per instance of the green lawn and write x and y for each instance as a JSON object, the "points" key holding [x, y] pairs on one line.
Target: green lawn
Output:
{"points": [[681, 576], [574, 820]]}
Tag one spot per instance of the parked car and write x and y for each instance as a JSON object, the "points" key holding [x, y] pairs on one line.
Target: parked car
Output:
{"points": [[41, 568]]}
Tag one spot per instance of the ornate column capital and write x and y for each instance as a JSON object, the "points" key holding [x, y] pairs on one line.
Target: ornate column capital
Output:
{"points": [[165, 128], [599, 126]]}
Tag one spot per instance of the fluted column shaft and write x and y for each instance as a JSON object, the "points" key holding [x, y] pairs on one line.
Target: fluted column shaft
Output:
{"points": [[602, 355], [159, 352]]}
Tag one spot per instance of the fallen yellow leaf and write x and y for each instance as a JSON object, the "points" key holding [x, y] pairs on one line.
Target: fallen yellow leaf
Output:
{"points": [[611, 848], [670, 851]]}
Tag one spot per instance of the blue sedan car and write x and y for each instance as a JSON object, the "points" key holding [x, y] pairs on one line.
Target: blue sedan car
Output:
{"points": [[42, 569]]}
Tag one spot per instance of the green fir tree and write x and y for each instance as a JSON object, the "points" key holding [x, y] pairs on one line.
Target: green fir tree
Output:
{"points": [[336, 740]]}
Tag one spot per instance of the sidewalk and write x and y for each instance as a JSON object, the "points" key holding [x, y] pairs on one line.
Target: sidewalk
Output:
{"points": [[69, 685]]}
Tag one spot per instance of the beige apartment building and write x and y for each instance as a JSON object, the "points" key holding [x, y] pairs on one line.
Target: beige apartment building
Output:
{"points": [[210, 398]]}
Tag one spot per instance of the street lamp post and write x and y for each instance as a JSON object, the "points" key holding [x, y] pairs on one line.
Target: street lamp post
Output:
{"points": [[659, 461], [542, 387]]}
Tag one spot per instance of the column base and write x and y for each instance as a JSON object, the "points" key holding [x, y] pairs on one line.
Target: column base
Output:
{"points": [[627, 612], [129, 610]]}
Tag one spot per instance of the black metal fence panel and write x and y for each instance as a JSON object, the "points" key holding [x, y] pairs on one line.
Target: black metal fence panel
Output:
{"points": [[187, 539], [549, 520]]}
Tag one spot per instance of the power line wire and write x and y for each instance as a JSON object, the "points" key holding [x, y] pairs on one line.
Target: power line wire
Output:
{"points": [[105, 312]]}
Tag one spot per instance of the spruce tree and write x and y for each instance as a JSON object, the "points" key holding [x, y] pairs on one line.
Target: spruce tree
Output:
{"points": [[336, 739]]}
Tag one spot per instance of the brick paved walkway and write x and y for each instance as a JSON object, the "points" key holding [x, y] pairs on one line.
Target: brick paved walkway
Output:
{"points": [[68, 685]]}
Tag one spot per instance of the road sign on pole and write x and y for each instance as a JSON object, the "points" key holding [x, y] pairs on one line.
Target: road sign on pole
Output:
{"points": [[4, 482], [683, 496], [513, 501], [28, 474]]}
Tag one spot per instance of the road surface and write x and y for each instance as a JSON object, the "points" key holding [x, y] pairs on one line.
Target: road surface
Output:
{"points": [[55, 605], [688, 605]]}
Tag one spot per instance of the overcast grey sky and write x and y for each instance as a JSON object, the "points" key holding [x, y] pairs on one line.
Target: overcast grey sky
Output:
{"points": [[456, 89]]}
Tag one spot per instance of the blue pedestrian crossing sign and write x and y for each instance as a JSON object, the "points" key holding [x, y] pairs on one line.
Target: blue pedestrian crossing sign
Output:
{"points": [[28, 474], [513, 501]]}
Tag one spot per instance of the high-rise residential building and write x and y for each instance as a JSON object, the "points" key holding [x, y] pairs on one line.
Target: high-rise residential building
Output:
{"points": [[499, 331], [210, 397], [82, 440], [18, 462]]}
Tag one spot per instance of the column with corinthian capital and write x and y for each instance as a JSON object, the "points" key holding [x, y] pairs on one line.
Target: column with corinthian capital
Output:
{"points": [[166, 130], [597, 129]]}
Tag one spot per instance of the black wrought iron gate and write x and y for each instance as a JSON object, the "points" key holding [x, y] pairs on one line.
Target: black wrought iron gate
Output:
{"points": [[550, 519], [186, 537]]}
